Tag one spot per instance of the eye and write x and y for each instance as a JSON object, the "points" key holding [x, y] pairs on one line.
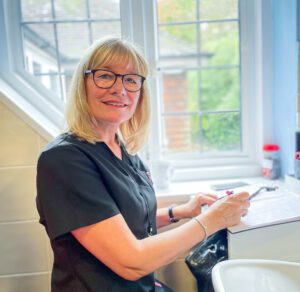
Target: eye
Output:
{"points": [[105, 76], [132, 79]]}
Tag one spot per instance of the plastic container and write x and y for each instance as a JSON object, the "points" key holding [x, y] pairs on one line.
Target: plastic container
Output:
{"points": [[271, 162], [297, 165]]}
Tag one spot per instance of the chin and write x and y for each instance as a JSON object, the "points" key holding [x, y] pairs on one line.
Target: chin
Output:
{"points": [[113, 120]]}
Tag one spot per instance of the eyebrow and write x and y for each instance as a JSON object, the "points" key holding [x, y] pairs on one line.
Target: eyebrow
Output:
{"points": [[109, 67]]}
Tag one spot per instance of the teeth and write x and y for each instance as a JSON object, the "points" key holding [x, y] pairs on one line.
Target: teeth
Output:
{"points": [[115, 104]]}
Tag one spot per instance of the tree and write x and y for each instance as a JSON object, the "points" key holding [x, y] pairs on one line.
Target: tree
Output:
{"points": [[209, 89]]}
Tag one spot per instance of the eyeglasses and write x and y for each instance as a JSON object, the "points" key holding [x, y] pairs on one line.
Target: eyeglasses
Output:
{"points": [[106, 79]]}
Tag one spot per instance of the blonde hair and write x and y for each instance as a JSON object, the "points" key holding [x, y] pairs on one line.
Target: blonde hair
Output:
{"points": [[108, 52]]}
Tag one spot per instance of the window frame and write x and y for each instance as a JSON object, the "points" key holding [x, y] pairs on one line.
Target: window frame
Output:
{"points": [[138, 18], [254, 110], [15, 76]]}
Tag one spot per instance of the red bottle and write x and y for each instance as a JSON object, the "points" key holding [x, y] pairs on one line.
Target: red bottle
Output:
{"points": [[271, 162]]}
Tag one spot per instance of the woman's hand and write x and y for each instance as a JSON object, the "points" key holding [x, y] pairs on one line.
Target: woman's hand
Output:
{"points": [[192, 208], [226, 212]]}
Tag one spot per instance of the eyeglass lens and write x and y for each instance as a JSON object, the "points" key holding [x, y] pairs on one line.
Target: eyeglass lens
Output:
{"points": [[106, 79]]}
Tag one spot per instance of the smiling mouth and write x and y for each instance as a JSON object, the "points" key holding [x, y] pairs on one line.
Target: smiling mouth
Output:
{"points": [[115, 104]]}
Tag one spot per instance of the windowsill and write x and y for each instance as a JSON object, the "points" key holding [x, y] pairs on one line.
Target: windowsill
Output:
{"points": [[27, 112], [181, 191], [218, 172]]}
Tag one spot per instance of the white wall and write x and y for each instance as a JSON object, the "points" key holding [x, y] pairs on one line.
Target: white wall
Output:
{"points": [[25, 253]]}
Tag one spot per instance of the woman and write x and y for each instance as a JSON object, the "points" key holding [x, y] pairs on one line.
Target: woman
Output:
{"points": [[94, 195]]}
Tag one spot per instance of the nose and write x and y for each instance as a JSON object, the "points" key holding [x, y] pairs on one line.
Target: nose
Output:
{"points": [[118, 87]]}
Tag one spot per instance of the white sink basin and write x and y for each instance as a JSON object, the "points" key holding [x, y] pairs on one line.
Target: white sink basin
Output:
{"points": [[256, 276]]}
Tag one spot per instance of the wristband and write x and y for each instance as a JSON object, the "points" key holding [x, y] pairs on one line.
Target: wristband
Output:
{"points": [[204, 227], [171, 215]]}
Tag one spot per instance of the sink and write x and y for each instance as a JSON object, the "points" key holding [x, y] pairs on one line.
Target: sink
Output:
{"points": [[256, 276]]}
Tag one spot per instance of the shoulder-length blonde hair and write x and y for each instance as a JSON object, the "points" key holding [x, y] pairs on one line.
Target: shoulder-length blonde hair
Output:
{"points": [[108, 52]]}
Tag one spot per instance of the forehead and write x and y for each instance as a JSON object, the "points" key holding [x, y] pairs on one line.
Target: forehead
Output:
{"points": [[119, 68], [113, 58]]}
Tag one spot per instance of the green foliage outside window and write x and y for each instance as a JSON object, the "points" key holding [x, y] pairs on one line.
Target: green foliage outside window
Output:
{"points": [[210, 90]]}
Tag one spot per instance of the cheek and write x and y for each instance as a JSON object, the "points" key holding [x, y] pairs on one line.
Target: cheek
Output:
{"points": [[93, 93], [135, 97]]}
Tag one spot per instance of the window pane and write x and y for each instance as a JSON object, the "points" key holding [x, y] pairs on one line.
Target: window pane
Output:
{"points": [[108, 9], [72, 40], [39, 44], [170, 10], [220, 42], [177, 39], [54, 44], [200, 68], [180, 92], [36, 10], [218, 132], [220, 89], [221, 132], [182, 133], [220, 9], [187, 96], [74, 9], [102, 29], [39, 51]]}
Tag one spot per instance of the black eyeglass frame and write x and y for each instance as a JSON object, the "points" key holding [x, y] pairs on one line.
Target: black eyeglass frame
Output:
{"points": [[93, 71]]}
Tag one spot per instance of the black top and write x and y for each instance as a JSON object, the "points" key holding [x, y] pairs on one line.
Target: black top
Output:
{"points": [[79, 184]]}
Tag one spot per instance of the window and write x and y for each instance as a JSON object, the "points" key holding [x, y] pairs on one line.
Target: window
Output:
{"points": [[204, 59], [208, 82], [200, 67], [56, 32]]}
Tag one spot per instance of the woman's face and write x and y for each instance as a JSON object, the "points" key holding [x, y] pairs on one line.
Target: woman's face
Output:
{"points": [[113, 106]]}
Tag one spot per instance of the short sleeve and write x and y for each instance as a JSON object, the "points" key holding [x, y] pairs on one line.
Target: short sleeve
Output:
{"points": [[70, 191]]}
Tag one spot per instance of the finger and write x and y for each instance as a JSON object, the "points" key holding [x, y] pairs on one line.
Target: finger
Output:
{"points": [[231, 203], [245, 212], [243, 207], [208, 200], [236, 207], [243, 196], [247, 203], [214, 196], [204, 199]]}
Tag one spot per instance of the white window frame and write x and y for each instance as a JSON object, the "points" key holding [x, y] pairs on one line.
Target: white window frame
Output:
{"points": [[256, 84], [38, 105], [137, 20]]}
